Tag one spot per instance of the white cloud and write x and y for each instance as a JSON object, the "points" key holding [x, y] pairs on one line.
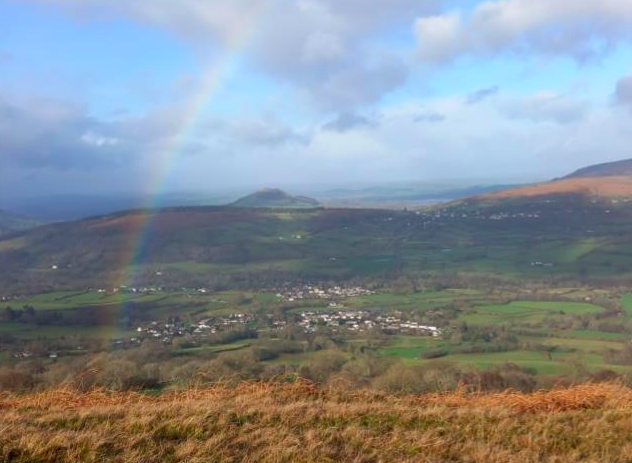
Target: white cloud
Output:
{"points": [[320, 46], [92, 138], [430, 117], [270, 132], [546, 106], [579, 28], [356, 86], [439, 36], [466, 142]]}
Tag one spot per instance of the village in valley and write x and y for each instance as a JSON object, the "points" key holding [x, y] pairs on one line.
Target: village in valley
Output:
{"points": [[309, 309], [331, 318]]}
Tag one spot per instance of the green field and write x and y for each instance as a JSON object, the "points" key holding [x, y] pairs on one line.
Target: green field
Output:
{"points": [[215, 349], [525, 312], [532, 343], [580, 352], [34, 332], [547, 351], [70, 300], [413, 347], [626, 303], [560, 364]]}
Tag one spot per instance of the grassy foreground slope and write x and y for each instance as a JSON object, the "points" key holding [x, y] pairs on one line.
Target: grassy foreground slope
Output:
{"points": [[300, 423]]}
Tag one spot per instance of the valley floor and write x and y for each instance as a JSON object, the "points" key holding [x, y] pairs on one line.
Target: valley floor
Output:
{"points": [[301, 423]]}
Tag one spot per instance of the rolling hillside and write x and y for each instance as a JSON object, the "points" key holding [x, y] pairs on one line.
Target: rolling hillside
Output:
{"points": [[227, 247], [600, 187], [603, 181], [578, 227], [599, 183]]}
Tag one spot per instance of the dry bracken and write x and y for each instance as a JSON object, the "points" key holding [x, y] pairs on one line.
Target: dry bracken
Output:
{"points": [[300, 422]]}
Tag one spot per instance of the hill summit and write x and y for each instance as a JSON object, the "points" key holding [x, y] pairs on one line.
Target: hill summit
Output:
{"points": [[275, 198], [608, 169], [608, 180]]}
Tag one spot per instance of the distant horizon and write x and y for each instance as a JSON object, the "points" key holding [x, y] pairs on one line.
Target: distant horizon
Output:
{"points": [[438, 185]]}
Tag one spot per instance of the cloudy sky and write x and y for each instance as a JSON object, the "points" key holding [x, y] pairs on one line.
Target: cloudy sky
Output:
{"points": [[161, 95]]}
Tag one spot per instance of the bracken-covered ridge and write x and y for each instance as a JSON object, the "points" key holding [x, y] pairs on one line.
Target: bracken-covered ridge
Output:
{"points": [[605, 187], [617, 168], [300, 422]]}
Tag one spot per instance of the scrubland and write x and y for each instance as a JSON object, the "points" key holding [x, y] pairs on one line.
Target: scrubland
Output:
{"points": [[300, 422]]}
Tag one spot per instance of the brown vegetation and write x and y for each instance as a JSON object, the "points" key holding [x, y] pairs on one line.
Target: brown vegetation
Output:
{"points": [[299, 422], [609, 187]]}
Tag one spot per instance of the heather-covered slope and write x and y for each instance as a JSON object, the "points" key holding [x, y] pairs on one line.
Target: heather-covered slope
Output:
{"points": [[609, 180], [589, 187]]}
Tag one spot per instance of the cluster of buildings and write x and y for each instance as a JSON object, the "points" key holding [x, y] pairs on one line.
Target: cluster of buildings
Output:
{"points": [[129, 290], [302, 292], [308, 321], [542, 264], [351, 320], [28, 354], [519, 215], [360, 321], [167, 331], [453, 214]]}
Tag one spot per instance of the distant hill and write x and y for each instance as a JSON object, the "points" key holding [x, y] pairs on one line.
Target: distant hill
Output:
{"points": [[609, 169], [604, 187], [609, 180], [10, 222], [413, 194], [275, 198]]}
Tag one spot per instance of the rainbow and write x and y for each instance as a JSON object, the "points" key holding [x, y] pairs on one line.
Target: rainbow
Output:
{"points": [[167, 158]]}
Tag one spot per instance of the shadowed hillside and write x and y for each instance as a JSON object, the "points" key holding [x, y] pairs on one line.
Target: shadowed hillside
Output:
{"points": [[12, 222], [588, 220], [301, 423], [229, 247]]}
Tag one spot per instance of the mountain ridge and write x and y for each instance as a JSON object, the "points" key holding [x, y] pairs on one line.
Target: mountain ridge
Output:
{"points": [[608, 181], [606, 169]]}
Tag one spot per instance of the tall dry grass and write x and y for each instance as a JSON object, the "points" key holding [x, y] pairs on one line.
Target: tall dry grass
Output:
{"points": [[300, 422]]}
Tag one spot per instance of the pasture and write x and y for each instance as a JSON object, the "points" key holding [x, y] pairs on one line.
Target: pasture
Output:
{"points": [[525, 312], [543, 336]]}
